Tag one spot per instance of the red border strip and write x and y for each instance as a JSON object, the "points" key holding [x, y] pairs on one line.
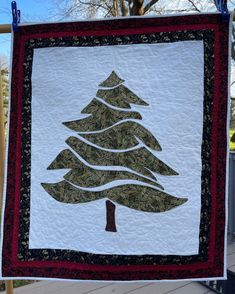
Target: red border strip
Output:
{"points": [[18, 156], [69, 265], [120, 32]]}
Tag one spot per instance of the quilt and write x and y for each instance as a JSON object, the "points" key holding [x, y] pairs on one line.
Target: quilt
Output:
{"points": [[117, 150]]}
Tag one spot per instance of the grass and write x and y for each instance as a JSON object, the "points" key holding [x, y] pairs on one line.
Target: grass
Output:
{"points": [[17, 283], [20, 283]]}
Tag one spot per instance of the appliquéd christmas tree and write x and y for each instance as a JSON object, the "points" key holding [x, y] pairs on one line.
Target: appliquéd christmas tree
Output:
{"points": [[110, 145]]}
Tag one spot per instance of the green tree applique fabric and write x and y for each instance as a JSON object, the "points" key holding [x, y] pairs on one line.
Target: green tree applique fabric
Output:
{"points": [[112, 125]]}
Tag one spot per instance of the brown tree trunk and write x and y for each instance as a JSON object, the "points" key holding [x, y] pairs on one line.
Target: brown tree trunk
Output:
{"points": [[115, 8], [136, 7], [110, 217], [124, 8]]}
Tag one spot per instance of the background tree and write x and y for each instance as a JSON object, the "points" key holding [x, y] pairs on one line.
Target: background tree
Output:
{"points": [[232, 114], [107, 8], [4, 75]]}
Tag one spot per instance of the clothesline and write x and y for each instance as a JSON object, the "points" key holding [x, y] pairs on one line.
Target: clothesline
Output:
{"points": [[5, 28]]}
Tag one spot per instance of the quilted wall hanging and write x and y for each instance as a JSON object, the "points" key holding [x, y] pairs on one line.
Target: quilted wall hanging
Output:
{"points": [[117, 150]]}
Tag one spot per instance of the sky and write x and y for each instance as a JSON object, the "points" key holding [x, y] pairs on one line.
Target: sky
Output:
{"points": [[31, 11]]}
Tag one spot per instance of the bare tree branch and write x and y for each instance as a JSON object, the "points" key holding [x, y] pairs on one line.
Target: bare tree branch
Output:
{"points": [[89, 8], [194, 6], [149, 5], [106, 8], [90, 3]]}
